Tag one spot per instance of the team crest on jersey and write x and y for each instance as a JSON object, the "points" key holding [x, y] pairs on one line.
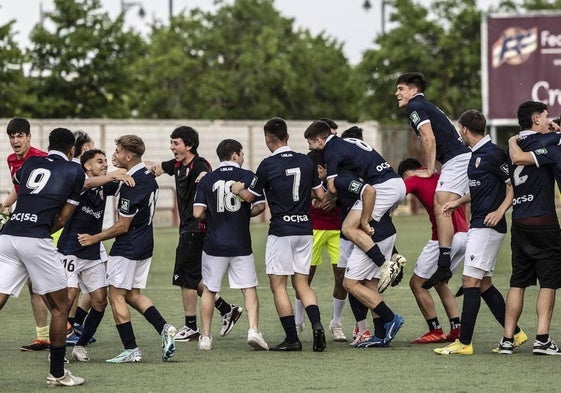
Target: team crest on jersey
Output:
{"points": [[125, 205], [354, 186], [504, 168], [540, 152], [415, 119], [477, 162]]}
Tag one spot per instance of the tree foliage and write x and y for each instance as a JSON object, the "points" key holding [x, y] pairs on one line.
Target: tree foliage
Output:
{"points": [[81, 66], [13, 84], [245, 61]]}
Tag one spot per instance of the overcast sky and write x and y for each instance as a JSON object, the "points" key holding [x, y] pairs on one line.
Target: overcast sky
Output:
{"points": [[344, 20]]}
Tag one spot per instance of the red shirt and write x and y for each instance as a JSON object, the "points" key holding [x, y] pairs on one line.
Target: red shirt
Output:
{"points": [[325, 220], [14, 163], [424, 188]]}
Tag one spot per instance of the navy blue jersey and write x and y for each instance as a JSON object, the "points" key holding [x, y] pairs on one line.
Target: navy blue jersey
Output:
{"points": [[358, 157], [533, 186], [46, 184], [550, 154], [286, 178], [138, 202], [488, 174], [449, 144], [349, 188], [227, 218], [185, 188], [88, 218]]}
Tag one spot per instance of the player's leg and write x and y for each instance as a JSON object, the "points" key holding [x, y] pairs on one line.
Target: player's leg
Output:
{"points": [[3, 300], [339, 293], [41, 316]]}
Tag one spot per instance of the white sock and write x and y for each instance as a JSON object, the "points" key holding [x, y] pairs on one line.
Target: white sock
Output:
{"points": [[338, 308], [362, 326], [298, 312]]}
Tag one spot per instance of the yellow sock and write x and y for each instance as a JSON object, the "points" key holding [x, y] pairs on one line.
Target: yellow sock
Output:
{"points": [[42, 333]]}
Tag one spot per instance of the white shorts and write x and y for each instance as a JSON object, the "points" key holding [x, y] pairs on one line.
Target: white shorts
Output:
{"points": [[241, 271], [453, 175], [483, 245], [102, 252], [428, 260], [388, 194], [27, 257], [127, 273], [88, 274], [345, 250], [360, 266], [286, 255]]}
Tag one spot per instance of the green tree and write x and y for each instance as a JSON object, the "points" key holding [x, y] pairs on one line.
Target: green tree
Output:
{"points": [[245, 60], [81, 67], [13, 84]]}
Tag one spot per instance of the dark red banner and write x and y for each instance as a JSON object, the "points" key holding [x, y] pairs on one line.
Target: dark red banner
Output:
{"points": [[521, 62]]}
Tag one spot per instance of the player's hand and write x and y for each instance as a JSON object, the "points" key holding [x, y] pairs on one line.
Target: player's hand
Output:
{"points": [[493, 218], [367, 228], [156, 170], [86, 239], [328, 201], [424, 173], [201, 175], [128, 180], [448, 208], [237, 187]]}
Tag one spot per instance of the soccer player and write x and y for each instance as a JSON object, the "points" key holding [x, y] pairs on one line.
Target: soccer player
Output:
{"points": [[535, 232], [326, 225], [490, 194], [85, 267], [49, 191], [130, 257], [19, 133], [188, 168], [441, 142], [287, 179], [424, 188], [227, 245], [358, 157]]}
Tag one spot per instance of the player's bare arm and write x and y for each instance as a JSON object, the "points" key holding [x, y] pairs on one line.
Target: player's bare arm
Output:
{"points": [[257, 209], [239, 190], [493, 218], [428, 142], [63, 216], [116, 175], [199, 212], [517, 155], [119, 228]]}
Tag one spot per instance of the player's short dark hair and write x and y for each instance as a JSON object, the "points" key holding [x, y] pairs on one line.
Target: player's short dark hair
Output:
{"points": [[276, 127], [88, 155], [353, 132], [330, 123], [318, 129], [413, 79], [61, 139], [189, 136], [81, 138], [474, 121], [317, 157], [18, 124], [409, 164], [227, 147], [528, 109], [132, 143]]}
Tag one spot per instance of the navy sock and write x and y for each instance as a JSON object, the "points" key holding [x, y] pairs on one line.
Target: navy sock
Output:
{"points": [[90, 326], [223, 306], [379, 328], [444, 257], [191, 321], [127, 335], [80, 316], [57, 361], [496, 303], [472, 302], [384, 312], [289, 325], [313, 314], [433, 324], [376, 255], [153, 316], [359, 310]]}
